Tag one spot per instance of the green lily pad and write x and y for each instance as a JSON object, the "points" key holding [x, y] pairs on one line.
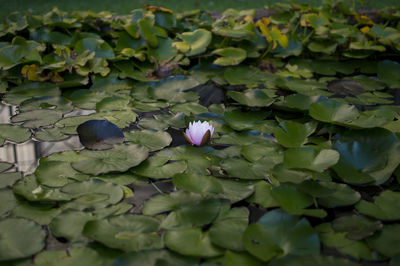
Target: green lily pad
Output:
{"points": [[243, 169], [244, 120], [29, 90], [8, 179], [72, 256], [228, 228], [100, 48], [387, 72], [263, 195], [187, 209], [309, 158], [385, 207], [194, 43], [367, 156], [150, 139], [157, 167], [312, 260], [4, 166], [50, 134], [191, 242], [235, 258], [69, 224], [127, 232], [40, 213], [278, 234], [330, 194], [120, 158], [294, 201], [29, 188], [92, 194], [204, 185], [9, 202], [333, 112], [13, 133], [356, 249], [21, 238], [252, 97], [356, 227], [37, 118], [230, 56], [292, 134], [155, 257], [385, 241], [54, 173]]}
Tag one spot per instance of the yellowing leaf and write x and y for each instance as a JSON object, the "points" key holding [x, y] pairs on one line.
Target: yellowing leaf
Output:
{"points": [[248, 18], [365, 29], [284, 41], [157, 9], [30, 72]]}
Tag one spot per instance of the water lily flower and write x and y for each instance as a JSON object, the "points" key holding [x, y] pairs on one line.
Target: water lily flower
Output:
{"points": [[199, 133]]}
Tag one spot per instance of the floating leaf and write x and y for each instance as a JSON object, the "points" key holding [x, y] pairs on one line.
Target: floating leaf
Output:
{"points": [[292, 134], [384, 241], [386, 206], [228, 228], [21, 238], [14, 133], [230, 56], [367, 156], [99, 134], [356, 227], [120, 158], [194, 43], [191, 242], [127, 232], [309, 158], [72, 256], [279, 234], [252, 98], [150, 139]]}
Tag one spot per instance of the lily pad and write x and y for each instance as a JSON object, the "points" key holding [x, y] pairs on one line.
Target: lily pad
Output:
{"points": [[21, 238], [99, 134], [194, 43], [120, 158], [187, 209], [230, 56], [252, 97], [278, 234], [309, 158], [191, 242], [367, 156], [356, 227], [384, 241], [13, 133], [356, 249], [228, 228], [69, 224], [72, 256], [150, 139], [386, 206], [292, 134], [127, 232]]}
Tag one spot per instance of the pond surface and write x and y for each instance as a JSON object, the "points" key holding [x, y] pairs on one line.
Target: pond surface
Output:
{"points": [[297, 162]]}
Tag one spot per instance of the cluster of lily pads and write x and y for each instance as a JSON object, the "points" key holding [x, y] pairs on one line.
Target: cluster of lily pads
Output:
{"points": [[302, 169]]}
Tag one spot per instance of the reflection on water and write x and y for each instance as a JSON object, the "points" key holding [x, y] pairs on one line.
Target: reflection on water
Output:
{"points": [[25, 156]]}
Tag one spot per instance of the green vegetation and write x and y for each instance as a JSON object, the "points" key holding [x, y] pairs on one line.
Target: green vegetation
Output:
{"points": [[301, 162], [124, 6]]}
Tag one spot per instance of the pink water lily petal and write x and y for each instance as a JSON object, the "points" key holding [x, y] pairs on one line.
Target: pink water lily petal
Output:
{"points": [[197, 130]]}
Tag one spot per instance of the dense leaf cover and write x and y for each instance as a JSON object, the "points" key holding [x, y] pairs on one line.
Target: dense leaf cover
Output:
{"points": [[303, 167]]}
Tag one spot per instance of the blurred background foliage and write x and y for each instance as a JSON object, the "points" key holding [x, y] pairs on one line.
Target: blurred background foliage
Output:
{"points": [[125, 6]]}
